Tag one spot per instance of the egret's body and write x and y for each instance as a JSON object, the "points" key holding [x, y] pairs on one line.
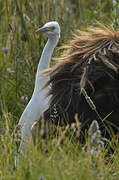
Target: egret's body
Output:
{"points": [[39, 101]]}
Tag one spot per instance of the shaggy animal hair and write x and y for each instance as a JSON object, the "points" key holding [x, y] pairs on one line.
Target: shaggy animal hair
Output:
{"points": [[90, 61]]}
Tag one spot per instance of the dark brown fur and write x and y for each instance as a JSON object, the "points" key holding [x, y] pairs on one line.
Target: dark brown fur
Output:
{"points": [[90, 61]]}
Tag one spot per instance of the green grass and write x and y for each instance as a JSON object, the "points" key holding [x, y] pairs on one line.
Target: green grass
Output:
{"points": [[18, 22], [58, 162]]}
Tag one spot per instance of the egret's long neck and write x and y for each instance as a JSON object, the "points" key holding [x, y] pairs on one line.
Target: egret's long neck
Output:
{"points": [[45, 63]]}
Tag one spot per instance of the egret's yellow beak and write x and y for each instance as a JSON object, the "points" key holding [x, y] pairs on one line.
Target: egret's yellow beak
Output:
{"points": [[40, 30]]}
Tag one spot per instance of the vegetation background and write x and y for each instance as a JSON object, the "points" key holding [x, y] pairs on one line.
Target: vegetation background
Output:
{"points": [[19, 56]]}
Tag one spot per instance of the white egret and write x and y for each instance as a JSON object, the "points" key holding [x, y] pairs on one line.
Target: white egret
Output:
{"points": [[39, 102]]}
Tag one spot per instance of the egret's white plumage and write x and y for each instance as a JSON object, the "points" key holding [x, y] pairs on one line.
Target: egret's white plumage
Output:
{"points": [[39, 102]]}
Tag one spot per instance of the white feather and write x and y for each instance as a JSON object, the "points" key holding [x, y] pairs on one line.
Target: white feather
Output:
{"points": [[39, 102]]}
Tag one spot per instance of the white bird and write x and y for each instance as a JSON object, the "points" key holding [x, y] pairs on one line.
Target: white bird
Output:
{"points": [[39, 102]]}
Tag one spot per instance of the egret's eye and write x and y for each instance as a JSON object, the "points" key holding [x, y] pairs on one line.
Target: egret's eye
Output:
{"points": [[52, 28]]}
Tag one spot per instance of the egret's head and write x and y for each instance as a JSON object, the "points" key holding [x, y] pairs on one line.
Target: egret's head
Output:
{"points": [[51, 29]]}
